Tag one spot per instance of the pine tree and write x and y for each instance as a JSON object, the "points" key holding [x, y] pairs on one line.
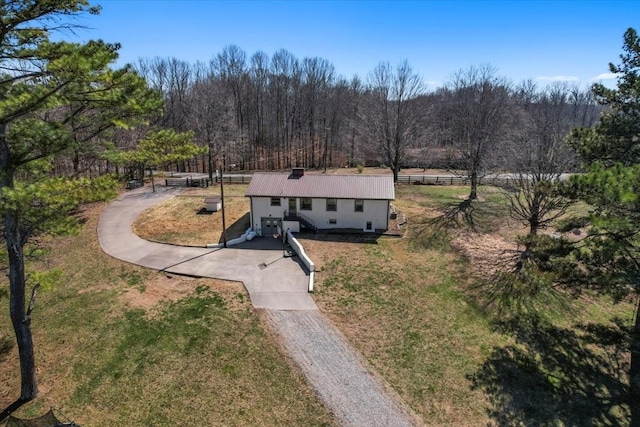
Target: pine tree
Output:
{"points": [[48, 92], [609, 258]]}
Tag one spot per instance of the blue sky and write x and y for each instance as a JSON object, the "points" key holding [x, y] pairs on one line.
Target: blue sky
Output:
{"points": [[542, 40]]}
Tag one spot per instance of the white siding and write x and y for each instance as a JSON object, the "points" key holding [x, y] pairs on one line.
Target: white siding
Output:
{"points": [[375, 211], [292, 226], [262, 208]]}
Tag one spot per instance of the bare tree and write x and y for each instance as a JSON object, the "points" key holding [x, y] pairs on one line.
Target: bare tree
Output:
{"points": [[284, 84], [318, 77], [391, 114], [231, 68], [213, 117], [476, 105], [540, 153]]}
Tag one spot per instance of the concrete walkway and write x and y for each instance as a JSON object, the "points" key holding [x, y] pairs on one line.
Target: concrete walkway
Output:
{"points": [[343, 381]]}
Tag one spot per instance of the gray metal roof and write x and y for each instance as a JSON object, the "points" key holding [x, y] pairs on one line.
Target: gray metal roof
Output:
{"points": [[370, 187]]}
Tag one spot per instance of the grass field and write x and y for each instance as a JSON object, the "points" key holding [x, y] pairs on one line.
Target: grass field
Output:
{"points": [[181, 220], [412, 308], [121, 345], [197, 353]]}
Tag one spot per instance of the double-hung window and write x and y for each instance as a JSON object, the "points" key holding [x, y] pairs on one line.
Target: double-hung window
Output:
{"points": [[305, 204], [332, 205], [358, 205]]}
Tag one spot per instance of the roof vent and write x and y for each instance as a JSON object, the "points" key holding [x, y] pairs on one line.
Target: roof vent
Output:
{"points": [[297, 173]]}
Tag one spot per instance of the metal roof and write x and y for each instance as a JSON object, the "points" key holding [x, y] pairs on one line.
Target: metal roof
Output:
{"points": [[370, 187]]}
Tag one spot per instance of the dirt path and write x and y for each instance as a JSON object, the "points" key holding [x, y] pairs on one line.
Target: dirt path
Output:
{"points": [[337, 372]]}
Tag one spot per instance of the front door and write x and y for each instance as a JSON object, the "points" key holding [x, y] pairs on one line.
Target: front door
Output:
{"points": [[293, 205]]}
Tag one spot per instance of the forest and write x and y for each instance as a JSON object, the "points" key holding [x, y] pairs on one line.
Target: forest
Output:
{"points": [[278, 112]]}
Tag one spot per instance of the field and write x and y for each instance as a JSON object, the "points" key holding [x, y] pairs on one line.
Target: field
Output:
{"points": [[412, 306], [121, 345], [197, 353], [182, 221]]}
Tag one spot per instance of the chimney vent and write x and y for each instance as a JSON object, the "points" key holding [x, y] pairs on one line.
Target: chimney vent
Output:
{"points": [[297, 172]]}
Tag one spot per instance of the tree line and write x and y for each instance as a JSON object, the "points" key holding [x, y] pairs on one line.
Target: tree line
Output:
{"points": [[276, 112]]}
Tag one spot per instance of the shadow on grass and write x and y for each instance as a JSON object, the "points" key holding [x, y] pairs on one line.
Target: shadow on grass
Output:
{"points": [[6, 344], [238, 228], [435, 232], [557, 376], [342, 236], [11, 409], [474, 215]]}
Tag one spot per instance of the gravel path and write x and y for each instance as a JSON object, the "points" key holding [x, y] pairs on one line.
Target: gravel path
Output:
{"points": [[337, 373]]}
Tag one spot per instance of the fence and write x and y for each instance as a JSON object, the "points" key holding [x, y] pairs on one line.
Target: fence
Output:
{"points": [[297, 247], [234, 179], [402, 179], [432, 179], [454, 180]]}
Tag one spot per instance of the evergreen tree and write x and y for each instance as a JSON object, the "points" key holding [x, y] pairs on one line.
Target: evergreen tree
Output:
{"points": [[48, 91], [608, 259], [157, 149]]}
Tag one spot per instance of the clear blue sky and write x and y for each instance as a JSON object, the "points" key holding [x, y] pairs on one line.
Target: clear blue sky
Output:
{"points": [[543, 40]]}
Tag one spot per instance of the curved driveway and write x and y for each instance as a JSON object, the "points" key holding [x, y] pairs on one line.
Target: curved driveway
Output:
{"points": [[338, 374], [282, 285]]}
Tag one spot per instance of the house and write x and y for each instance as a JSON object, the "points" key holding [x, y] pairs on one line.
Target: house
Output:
{"points": [[297, 200]]}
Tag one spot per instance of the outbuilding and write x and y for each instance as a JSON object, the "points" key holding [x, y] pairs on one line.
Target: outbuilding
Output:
{"points": [[292, 201]]}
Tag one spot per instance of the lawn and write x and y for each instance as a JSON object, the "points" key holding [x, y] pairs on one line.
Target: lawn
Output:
{"points": [[181, 220], [195, 352], [413, 309], [121, 345]]}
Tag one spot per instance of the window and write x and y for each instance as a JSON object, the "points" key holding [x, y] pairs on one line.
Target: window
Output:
{"points": [[332, 205], [305, 204], [358, 205], [275, 201], [369, 225], [333, 221]]}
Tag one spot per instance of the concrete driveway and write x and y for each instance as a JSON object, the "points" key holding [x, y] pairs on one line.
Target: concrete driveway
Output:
{"points": [[339, 375], [282, 285]]}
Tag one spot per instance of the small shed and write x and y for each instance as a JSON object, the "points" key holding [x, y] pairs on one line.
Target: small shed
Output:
{"points": [[212, 204]]}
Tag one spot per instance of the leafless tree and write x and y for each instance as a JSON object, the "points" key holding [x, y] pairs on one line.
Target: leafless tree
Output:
{"points": [[212, 118], [284, 84], [539, 152], [391, 115], [476, 107]]}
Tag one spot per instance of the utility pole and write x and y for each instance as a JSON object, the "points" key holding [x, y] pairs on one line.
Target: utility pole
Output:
{"points": [[224, 225]]}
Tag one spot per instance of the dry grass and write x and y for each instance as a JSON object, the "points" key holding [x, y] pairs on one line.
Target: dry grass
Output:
{"points": [[117, 344], [181, 220], [408, 304]]}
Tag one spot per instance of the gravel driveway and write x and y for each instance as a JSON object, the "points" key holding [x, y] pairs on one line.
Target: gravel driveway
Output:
{"points": [[337, 373]]}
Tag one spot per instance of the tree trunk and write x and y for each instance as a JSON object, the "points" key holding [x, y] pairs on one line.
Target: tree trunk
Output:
{"points": [[21, 322], [210, 162], [153, 184], [634, 372], [473, 195], [17, 285], [396, 171]]}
